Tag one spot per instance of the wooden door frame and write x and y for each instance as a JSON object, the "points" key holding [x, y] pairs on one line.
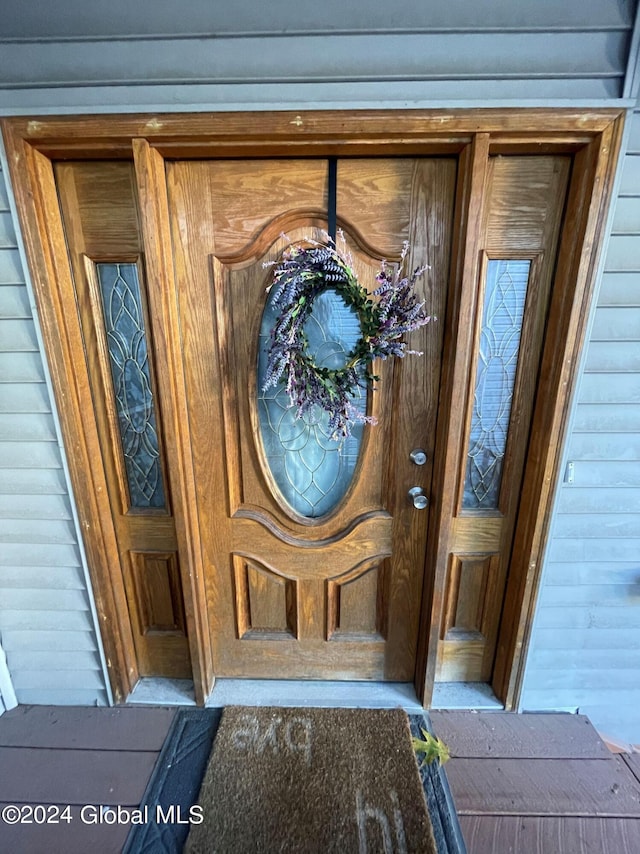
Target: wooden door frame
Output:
{"points": [[591, 136]]}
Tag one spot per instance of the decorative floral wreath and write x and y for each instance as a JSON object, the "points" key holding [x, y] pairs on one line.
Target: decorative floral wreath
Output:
{"points": [[304, 272]]}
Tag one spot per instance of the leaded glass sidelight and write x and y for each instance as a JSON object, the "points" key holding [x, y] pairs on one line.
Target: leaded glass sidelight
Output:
{"points": [[503, 313], [129, 363], [312, 471]]}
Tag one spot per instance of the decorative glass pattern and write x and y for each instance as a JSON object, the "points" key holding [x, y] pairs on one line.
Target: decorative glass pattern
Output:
{"points": [[129, 361], [312, 471], [503, 312]]}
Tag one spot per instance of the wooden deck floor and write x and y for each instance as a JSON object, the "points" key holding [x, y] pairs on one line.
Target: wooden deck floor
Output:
{"points": [[52, 757], [539, 783], [527, 784]]}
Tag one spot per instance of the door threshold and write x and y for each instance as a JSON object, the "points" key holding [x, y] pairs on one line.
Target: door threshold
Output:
{"points": [[465, 695], [299, 692], [280, 692], [157, 691]]}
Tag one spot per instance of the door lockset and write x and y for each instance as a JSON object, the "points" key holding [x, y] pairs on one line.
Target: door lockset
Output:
{"points": [[417, 496]]}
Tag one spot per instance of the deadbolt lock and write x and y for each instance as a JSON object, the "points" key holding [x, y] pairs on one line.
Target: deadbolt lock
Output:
{"points": [[418, 456]]}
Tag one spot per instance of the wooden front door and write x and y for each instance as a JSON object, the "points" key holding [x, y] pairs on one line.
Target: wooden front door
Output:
{"points": [[313, 550], [223, 543], [314, 553]]}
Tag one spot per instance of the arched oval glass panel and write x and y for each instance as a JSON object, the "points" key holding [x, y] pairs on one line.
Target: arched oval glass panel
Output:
{"points": [[312, 471]]}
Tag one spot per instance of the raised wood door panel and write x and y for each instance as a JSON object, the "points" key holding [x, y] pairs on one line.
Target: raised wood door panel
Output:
{"points": [[523, 206], [338, 596], [99, 211]]}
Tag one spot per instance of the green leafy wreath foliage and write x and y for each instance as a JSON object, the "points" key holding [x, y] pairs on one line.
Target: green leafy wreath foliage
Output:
{"points": [[392, 310]]}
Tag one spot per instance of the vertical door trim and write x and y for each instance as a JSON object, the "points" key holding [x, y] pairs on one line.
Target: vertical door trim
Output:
{"points": [[451, 424], [45, 243], [156, 238]]}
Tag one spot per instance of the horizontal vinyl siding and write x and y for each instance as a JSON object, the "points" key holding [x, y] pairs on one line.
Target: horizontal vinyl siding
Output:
{"points": [[299, 52], [46, 625], [304, 58], [148, 17], [585, 647]]}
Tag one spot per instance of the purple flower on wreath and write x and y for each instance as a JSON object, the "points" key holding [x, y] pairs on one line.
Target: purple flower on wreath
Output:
{"points": [[304, 272]]}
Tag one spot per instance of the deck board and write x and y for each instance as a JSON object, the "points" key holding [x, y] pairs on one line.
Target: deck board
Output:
{"points": [[74, 776], [505, 735], [130, 728], [74, 837], [78, 756], [579, 787], [544, 834]]}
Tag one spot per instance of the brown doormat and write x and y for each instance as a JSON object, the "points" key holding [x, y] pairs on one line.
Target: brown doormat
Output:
{"points": [[312, 780]]}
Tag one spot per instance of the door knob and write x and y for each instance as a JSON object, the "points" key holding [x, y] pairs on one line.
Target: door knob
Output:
{"points": [[417, 496], [418, 456]]}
